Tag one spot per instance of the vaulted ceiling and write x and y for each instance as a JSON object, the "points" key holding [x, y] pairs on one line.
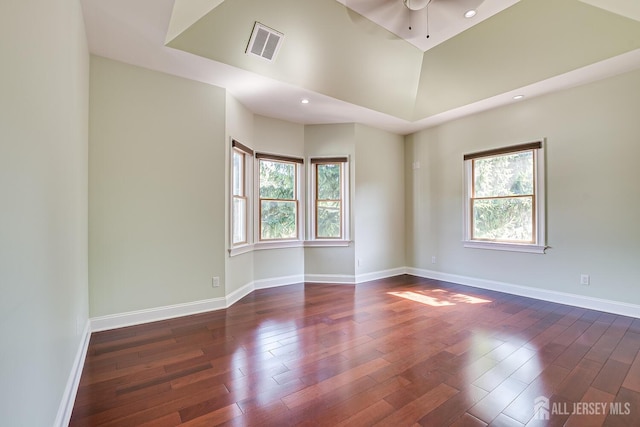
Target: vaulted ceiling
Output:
{"points": [[354, 70]]}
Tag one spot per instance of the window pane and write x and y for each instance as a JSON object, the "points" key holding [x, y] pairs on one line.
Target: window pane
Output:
{"points": [[239, 220], [328, 181], [238, 174], [328, 219], [277, 180], [278, 220], [509, 219], [505, 175]]}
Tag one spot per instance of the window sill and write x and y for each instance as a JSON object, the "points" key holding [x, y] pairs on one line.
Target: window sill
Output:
{"points": [[260, 246], [510, 247], [239, 250], [325, 243], [278, 244]]}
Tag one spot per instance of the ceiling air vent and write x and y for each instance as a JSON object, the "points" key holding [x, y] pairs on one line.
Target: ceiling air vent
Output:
{"points": [[264, 42]]}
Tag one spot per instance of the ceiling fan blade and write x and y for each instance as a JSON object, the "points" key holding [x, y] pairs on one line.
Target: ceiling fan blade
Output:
{"points": [[367, 7], [416, 4], [393, 12]]}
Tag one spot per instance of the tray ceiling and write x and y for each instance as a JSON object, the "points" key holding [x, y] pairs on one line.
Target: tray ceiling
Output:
{"points": [[355, 70]]}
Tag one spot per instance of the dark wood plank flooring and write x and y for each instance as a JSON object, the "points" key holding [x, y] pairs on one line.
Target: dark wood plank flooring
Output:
{"points": [[402, 351]]}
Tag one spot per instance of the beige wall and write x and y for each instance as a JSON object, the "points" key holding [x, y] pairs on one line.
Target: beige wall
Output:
{"points": [[379, 200], [156, 184], [159, 188], [592, 196], [279, 137], [239, 268], [327, 141], [43, 192]]}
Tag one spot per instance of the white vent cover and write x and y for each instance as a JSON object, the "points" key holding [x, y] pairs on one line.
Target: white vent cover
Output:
{"points": [[265, 42]]}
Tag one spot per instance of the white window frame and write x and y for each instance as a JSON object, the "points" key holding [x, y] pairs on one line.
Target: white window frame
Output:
{"points": [[246, 246], [313, 239], [299, 194], [539, 244]]}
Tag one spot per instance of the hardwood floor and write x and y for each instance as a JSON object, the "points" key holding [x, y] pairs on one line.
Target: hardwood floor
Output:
{"points": [[396, 352]]}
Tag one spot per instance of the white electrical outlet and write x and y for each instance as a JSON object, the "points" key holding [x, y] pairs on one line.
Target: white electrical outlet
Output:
{"points": [[584, 279], [215, 282], [433, 260]]}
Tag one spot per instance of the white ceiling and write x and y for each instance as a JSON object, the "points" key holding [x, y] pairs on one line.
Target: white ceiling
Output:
{"points": [[135, 31]]}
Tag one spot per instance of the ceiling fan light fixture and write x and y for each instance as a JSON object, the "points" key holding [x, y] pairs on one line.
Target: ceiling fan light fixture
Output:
{"points": [[416, 4], [470, 13]]}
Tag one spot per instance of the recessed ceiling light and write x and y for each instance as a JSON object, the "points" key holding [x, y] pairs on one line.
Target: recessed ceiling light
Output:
{"points": [[470, 13], [518, 97], [304, 101]]}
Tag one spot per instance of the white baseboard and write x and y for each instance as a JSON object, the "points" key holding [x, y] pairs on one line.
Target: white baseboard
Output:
{"points": [[238, 294], [71, 389], [278, 281], [336, 279], [120, 320], [346, 279], [383, 274], [598, 304], [245, 290], [178, 310], [138, 317]]}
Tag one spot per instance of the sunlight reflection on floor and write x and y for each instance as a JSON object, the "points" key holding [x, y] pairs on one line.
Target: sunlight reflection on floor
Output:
{"points": [[444, 298]]}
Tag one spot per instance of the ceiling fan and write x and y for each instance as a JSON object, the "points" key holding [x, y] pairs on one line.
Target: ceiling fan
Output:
{"points": [[431, 21], [469, 8]]}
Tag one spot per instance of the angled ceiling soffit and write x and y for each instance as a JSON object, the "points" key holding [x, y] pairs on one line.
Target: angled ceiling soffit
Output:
{"points": [[627, 8], [531, 41], [326, 49], [185, 13], [330, 49]]}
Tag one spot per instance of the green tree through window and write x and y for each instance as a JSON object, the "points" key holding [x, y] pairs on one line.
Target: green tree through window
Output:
{"points": [[239, 213], [241, 162], [329, 200], [503, 199], [278, 200]]}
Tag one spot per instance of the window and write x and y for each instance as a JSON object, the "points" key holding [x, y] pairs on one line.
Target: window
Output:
{"points": [[278, 197], [329, 213], [240, 203], [504, 203]]}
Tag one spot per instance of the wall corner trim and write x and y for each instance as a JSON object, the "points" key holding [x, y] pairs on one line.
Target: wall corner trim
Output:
{"points": [[238, 294], [73, 382]]}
